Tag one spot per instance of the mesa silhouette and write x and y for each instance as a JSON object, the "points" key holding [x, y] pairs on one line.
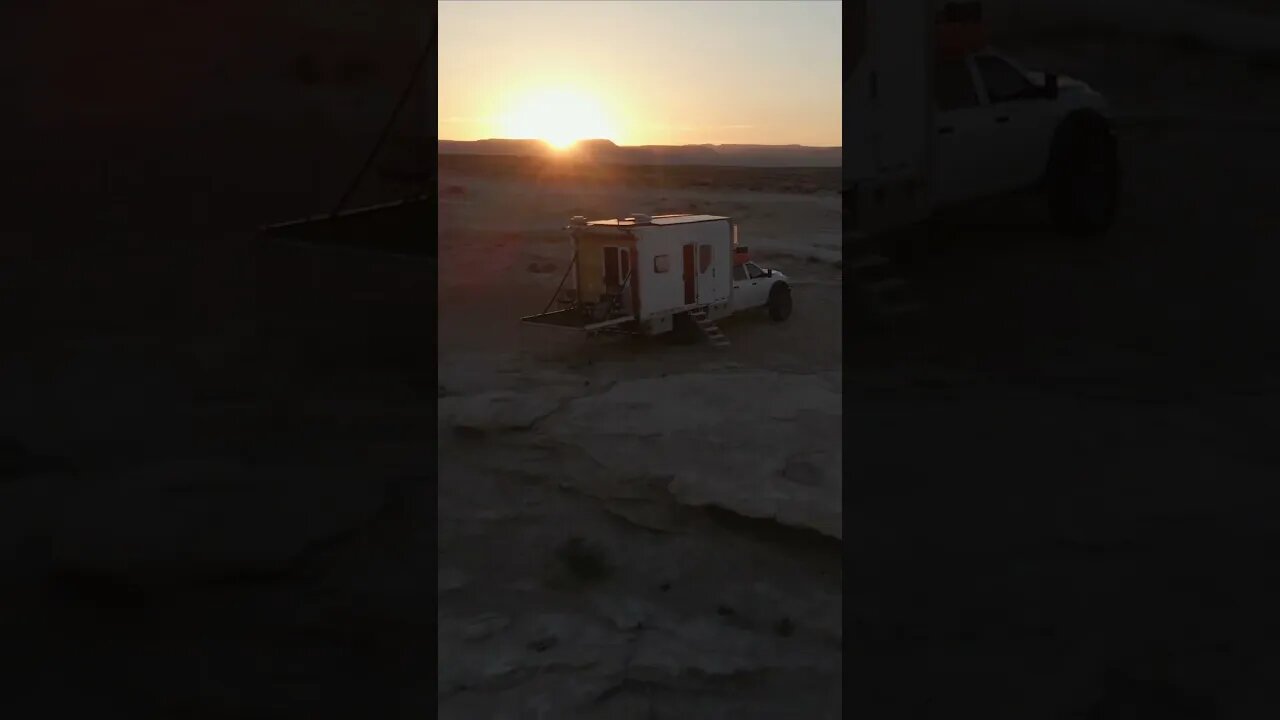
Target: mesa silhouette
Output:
{"points": [[606, 151]]}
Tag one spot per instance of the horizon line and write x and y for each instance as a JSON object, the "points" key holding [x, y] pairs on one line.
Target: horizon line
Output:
{"points": [[816, 147]]}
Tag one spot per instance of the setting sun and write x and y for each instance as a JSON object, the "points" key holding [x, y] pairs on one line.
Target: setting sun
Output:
{"points": [[560, 117], [640, 73]]}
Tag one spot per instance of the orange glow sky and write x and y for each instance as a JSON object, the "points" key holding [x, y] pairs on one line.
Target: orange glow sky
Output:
{"points": [[641, 73]]}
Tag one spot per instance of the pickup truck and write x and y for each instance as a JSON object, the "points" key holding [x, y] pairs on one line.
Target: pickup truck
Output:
{"points": [[937, 119], [1002, 128], [758, 287]]}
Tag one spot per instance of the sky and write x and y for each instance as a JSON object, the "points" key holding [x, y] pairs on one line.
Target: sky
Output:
{"points": [[644, 72]]}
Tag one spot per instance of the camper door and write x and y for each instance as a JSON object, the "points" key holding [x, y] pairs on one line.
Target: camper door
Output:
{"points": [[714, 262], [618, 272]]}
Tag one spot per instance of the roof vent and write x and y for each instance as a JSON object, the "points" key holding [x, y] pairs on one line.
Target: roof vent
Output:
{"points": [[578, 220], [642, 219]]}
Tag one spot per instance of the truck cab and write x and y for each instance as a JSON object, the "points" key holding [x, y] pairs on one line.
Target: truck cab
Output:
{"points": [[996, 124], [755, 286]]}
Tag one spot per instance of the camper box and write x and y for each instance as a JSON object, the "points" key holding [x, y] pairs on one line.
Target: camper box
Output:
{"points": [[634, 274]]}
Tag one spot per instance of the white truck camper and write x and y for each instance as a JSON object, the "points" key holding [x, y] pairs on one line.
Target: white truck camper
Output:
{"points": [[937, 118], [652, 275]]}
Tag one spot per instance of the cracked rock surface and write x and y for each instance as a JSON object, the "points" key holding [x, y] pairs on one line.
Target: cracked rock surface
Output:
{"points": [[665, 545]]}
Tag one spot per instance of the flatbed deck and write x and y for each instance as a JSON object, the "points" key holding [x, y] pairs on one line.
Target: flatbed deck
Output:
{"points": [[574, 319]]}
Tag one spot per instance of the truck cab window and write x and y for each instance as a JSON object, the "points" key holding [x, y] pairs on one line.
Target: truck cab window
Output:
{"points": [[953, 86], [739, 273], [1004, 82], [754, 271]]}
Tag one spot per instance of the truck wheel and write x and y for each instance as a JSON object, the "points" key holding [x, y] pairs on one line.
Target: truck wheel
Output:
{"points": [[780, 302], [684, 330], [1083, 181]]}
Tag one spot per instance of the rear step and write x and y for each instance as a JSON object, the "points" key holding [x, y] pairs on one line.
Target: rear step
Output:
{"points": [[709, 329]]}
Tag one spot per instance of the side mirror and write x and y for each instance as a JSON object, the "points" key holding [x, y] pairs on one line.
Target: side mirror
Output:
{"points": [[1051, 86], [768, 273]]}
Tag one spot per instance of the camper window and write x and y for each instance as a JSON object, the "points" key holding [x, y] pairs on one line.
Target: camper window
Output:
{"points": [[661, 263]]}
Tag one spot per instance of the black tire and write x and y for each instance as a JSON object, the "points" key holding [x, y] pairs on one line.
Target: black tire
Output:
{"points": [[1083, 179], [780, 302], [684, 330]]}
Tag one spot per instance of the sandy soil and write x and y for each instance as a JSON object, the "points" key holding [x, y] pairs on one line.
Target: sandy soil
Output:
{"points": [[549, 439]]}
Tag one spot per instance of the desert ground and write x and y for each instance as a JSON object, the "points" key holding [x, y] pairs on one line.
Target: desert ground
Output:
{"points": [[607, 547]]}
